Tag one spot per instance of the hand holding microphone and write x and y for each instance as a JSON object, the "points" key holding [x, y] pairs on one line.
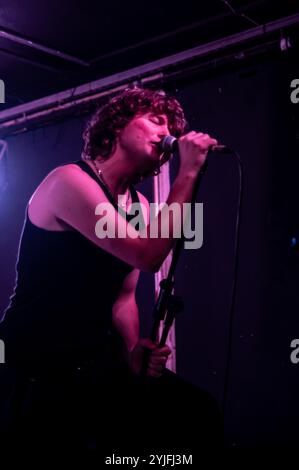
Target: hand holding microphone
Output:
{"points": [[193, 149]]}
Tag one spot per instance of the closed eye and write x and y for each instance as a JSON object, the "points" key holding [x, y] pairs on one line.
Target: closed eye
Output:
{"points": [[158, 120], [155, 119]]}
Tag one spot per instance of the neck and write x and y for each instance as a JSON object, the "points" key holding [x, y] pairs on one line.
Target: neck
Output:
{"points": [[116, 174]]}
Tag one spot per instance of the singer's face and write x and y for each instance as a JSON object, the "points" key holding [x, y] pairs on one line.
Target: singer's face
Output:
{"points": [[139, 140]]}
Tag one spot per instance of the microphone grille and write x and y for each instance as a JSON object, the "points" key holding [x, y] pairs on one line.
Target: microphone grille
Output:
{"points": [[167, 144]]}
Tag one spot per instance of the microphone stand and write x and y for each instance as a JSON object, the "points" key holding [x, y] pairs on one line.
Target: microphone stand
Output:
{"points": [[168, 305]]}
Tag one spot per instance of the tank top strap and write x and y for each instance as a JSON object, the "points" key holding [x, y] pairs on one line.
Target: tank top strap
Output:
{"points": [[134, 195]]}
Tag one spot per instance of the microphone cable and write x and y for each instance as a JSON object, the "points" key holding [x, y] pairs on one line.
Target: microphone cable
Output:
{"points": [[231, 316]]}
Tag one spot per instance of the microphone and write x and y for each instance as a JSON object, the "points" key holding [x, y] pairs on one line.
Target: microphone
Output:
{"points": [[169, 144]]}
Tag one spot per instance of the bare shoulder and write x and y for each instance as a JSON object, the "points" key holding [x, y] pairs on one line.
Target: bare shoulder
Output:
{"points": [[69, 175], [67, 171], [63, 172], [72, 177], [39, 207]]}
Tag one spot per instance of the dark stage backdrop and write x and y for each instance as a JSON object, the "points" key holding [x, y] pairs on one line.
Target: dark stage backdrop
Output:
{"points": [[249, 109]]}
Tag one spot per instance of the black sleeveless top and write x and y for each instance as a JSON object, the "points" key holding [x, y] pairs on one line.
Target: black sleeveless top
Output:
{"points": [[64, 293]]}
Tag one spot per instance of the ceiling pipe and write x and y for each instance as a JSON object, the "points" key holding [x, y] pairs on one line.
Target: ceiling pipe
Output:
{"points": [[70, 99], [35, 45]]}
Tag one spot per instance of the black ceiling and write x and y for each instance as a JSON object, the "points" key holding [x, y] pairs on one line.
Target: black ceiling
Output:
{"points": [[110, 37]]}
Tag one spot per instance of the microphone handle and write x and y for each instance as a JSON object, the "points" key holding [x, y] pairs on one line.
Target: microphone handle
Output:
{"points": [[220, 149], [171, 145]]}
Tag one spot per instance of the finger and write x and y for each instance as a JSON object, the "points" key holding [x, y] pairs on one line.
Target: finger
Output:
{"points": [[157, 363], [153, 372], [205, 140], [194, 135], [164, 351], [188, 136], [200, 136], [156, 366], [209, 138], [148, 343], [159, 359]]}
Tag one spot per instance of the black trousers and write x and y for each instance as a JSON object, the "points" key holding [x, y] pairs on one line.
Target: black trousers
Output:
{"points": [[112, 411]]}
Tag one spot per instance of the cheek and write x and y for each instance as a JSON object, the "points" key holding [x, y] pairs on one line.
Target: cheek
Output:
{"points": [[140, 132], [136, 134]]}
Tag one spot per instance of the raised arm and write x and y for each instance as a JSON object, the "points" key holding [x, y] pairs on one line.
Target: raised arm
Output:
{"points": [[73, 197]]}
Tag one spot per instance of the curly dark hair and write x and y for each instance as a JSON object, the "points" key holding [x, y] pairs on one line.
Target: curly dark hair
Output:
{"points": [[101, 130]]}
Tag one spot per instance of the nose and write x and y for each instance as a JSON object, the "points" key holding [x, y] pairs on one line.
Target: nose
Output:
{"points": [[163, 132]]}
